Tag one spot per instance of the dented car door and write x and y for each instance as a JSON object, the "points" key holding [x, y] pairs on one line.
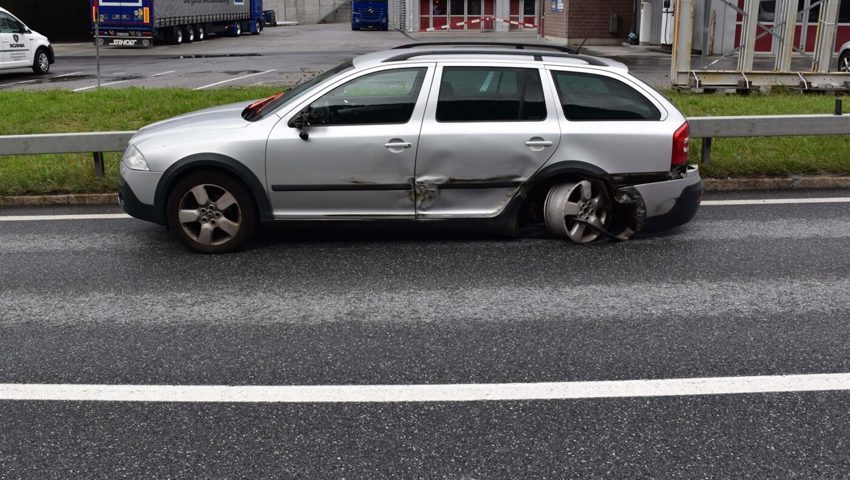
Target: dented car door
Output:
{"points": [[486, 130]]}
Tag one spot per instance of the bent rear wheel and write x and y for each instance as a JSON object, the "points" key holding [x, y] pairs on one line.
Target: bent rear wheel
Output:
{"points": [[210, 212], [572, 210]]}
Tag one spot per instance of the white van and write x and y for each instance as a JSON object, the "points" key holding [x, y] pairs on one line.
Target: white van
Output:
{"points": [[21, 47]]}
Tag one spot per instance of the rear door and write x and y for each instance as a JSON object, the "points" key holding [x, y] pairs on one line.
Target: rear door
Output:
{"points": [[487, 129]]}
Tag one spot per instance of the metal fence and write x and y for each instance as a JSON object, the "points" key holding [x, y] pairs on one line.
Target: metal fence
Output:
{"points": [[706, 128]]}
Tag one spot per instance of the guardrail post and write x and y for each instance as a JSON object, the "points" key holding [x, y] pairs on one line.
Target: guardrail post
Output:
{"points": [[706, 150], [98, 164]]}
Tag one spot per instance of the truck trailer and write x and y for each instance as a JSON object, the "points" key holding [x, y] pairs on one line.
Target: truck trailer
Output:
{"points": [[142, 23]]}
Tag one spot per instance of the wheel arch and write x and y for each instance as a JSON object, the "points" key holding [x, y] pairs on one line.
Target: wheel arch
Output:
{"points": [[211, 162], [536, 188]]}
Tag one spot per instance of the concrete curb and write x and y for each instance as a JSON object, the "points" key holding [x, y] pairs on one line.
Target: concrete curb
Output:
{"points": [[45, 200], [711, 185]]}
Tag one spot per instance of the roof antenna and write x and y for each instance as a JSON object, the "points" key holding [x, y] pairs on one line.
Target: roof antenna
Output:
{"points": [[578, 50]]}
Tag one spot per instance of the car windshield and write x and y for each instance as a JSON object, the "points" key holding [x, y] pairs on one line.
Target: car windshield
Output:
{"points": [[261, 108]]}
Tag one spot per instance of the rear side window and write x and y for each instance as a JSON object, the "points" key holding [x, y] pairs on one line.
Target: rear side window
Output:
{"points": [[589, 97], [488, 94]]}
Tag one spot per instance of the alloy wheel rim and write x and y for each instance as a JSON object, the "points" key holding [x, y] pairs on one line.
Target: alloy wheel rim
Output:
{"points": [[210, 215], [572, 210]]}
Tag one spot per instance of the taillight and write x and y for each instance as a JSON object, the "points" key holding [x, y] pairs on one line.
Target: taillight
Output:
{"points": [[681, 144]]}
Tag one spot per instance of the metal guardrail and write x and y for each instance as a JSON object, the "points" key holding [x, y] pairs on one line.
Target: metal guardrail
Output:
{"points": [[95, 143], [706, 128]]}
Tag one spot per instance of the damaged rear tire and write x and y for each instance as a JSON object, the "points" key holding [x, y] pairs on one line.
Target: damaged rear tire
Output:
{"points": [[578, 210]]}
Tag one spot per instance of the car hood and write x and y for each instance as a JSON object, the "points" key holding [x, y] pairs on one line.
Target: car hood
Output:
{"points": [[217, 118]]}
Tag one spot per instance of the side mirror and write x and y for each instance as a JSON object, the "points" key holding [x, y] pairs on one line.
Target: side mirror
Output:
{"points": [[301, 121]]}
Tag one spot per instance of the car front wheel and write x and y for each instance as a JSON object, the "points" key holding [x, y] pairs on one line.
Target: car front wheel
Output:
{"points": [[577, 210], [41, 63], [211, 212]]}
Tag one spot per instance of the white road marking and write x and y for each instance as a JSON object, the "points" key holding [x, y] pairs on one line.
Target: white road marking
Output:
{"points": [[39, 218], [67, 74], [774, 201], [162, 73], [427, 393], [102, 85], [17, 83], [235, 79]]}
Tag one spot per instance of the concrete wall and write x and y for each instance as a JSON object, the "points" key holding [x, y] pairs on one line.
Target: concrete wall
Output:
{"points": [[304, 11]]}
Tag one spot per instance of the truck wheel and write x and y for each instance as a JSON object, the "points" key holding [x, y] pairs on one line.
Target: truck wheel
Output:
{"points": [[41, 62], [190, 34], [200, 33], [177, 36], [237, 29]]}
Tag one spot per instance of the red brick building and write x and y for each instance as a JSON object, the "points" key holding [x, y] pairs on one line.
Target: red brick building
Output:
{"points": [[598, 21]]}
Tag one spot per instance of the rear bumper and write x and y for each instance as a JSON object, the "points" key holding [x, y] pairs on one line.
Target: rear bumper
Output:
{"points": [[671, 203]]}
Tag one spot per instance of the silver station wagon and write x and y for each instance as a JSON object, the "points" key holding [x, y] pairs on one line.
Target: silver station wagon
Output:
{"points": [[493, 136]]}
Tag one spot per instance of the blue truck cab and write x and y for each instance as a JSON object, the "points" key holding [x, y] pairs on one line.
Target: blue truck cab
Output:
{"points": [[371, 14]]}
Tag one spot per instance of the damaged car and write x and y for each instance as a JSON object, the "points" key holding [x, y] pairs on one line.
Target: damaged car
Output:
{"points": [[498, 136]]}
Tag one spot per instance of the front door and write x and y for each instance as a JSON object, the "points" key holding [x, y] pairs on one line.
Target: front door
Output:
{"points": [[357, 157], [13, 42], [486, 131]]}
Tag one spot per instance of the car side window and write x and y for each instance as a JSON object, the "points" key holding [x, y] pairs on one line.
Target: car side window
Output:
{"points": [[589, 97], [490, 94], [387, 97]]}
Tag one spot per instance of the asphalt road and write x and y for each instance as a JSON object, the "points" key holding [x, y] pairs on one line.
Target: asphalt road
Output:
{"points": [[742, 290]]}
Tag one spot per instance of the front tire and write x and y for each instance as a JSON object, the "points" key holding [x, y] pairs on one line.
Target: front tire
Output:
{"points": [[211, 212], [41, 62], [572, 210]]}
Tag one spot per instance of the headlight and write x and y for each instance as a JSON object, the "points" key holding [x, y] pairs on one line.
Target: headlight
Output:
{"points": [[134, 160]]}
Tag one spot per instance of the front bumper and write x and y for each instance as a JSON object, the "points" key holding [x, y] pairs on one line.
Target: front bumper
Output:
{"points": [[136, 193], [133, 206], [671, 203]]}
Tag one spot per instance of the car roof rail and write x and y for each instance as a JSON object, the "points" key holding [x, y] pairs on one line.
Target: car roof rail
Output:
{"points": [[459, 51], [516, 45]]}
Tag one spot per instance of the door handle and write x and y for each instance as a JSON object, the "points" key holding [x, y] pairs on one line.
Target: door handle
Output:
{"points": [[538, 143], [398, 145]]}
